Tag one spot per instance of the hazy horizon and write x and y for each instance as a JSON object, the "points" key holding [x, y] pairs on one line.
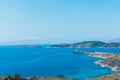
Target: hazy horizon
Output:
{"points": [[58, 21]]}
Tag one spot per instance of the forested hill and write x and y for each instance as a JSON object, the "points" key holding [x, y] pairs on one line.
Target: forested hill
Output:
{"points": [[88, 44]]}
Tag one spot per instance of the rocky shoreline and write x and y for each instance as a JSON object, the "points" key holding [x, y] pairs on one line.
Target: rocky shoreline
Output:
{"points": [[109, 60]]}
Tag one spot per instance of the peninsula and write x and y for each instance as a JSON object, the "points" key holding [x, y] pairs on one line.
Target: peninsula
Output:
{"points": [[108, 60]]}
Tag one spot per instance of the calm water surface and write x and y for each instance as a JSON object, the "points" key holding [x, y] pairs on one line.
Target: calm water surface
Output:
{"points": [[42, 61]]}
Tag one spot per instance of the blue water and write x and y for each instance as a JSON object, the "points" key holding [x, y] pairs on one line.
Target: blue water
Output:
{"points": [[42, 61]]}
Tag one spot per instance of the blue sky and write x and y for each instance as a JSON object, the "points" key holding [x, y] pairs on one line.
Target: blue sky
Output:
{"points": [[59, 21]]}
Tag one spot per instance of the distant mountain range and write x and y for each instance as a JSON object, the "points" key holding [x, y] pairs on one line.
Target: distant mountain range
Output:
{"points": [[88, 44], [115, 40]]}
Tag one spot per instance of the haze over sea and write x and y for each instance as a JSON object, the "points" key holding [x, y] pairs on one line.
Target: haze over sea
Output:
{"points": [[32, 22], [43, 61]]}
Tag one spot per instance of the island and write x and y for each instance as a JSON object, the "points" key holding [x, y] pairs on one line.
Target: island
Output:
{"points": [[88, 44]]}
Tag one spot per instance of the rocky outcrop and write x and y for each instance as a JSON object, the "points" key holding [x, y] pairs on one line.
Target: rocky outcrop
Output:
{"points": [[111, 61]]}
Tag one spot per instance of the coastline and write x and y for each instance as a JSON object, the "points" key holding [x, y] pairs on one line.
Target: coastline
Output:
{"points": [[108, 60], [105, 65], [103, 56]]}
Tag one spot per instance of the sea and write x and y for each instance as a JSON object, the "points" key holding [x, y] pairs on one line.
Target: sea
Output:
{"points": [[43, 61]]}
